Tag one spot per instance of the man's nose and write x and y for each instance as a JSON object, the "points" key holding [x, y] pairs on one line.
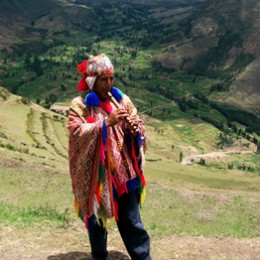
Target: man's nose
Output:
{"points": [[109, 82]]}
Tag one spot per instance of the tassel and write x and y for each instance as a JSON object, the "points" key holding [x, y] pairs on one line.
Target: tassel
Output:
{"points": [[142, 158], [86, 221], [82, 67], [101, 173], [104, 133], [116, 210], [102, 155], [139, 139], [76, 207], [102, 221], [143, 195], [134, 158], [122, 189], [132, 185], [142, 179], [82, 85], [115, 193], [117, 94], [91, 119], [103, 145], [98, 195], [92, 100]]}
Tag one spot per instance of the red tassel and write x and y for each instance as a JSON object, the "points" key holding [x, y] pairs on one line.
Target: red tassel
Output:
{"points": [[91, 119], [82, 86], [98, 194], [86, 221], [116, 210], [122, 189], [143, 181], [82, 67], [136, 167]]}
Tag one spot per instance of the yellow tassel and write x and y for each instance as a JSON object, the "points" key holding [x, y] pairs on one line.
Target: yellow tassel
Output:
{"points": [[76, 207], [103, 220], [143, 196], [112, 164], [112, 220]]}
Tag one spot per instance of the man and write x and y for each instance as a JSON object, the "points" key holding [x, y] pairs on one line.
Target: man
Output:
{"points": [[106, 158]]}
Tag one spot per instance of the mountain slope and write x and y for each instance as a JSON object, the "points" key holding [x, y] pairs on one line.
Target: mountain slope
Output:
{"points": [[31, 133], [194, 53], [222, 42], [24, 21]]}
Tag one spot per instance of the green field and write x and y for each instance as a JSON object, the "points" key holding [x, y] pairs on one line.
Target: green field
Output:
{"points": [[199, 200]]}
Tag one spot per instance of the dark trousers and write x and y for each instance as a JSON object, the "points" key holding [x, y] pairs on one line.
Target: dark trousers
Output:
{"points": [[135, 237]]}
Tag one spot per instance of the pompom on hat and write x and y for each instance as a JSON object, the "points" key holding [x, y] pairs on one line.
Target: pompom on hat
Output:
{"points": [[91, 69]]}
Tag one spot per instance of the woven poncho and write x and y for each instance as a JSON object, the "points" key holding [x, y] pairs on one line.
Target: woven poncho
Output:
{"points": [[100, 172]]}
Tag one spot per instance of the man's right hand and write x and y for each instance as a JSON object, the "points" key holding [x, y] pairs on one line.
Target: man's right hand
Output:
{"points": [[116, 116]]}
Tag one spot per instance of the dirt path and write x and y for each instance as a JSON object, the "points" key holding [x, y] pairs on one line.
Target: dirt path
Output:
{"points": [[195, 158], [55, 243]]}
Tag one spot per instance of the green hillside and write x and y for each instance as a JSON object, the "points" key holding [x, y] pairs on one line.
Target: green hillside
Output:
{"points": [[30, 133], [216, 196]]}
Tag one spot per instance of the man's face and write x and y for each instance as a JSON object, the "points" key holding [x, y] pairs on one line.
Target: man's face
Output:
{"points": [[103, 84]]}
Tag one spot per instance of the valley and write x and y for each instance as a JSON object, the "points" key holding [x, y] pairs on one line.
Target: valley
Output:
{"points": [[190, 67]]}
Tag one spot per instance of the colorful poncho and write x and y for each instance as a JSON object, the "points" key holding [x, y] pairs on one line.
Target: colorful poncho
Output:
{"points": [[100, 172]]}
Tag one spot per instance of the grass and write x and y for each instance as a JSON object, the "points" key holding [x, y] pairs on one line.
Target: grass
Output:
{"points": [[32, 215], [172, 212], [205, 200], [201, 178], [200, 201], [196, 202]]}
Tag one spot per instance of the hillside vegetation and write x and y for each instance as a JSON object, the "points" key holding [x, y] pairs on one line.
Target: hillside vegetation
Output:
{"points": [[209, 199], [190, 54]]}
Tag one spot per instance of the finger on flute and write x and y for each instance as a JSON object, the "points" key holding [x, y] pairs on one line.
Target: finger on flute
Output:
{"points": [[114, 101]]}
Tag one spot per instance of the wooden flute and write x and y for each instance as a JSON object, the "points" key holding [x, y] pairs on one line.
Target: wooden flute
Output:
{"points": [[113, 100]]}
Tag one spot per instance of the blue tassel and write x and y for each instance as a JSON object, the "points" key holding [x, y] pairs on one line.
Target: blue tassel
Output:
{"points": [[117, 94], [115, 194], [104, 133], [139, 139], [92, 100], [132, 184]]}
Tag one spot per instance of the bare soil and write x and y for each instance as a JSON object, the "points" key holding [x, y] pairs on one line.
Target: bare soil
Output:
{"points": [[71, 243], [212, 155]]}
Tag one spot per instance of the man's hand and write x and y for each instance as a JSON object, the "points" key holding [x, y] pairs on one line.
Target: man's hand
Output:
{"points": [[116, 116]]}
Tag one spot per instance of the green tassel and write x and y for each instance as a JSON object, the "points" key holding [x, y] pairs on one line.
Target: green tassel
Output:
{"points": [[101, 173]]}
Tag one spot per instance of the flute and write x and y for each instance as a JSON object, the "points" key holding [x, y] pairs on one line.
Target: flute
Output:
{"points": [[113, 100]]}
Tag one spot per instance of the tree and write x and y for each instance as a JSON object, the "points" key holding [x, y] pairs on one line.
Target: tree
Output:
{"points": [[202, 161], [133, 54], [36, 66], [62, 87], [180, 156], [52, 98], [230, 166]]}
